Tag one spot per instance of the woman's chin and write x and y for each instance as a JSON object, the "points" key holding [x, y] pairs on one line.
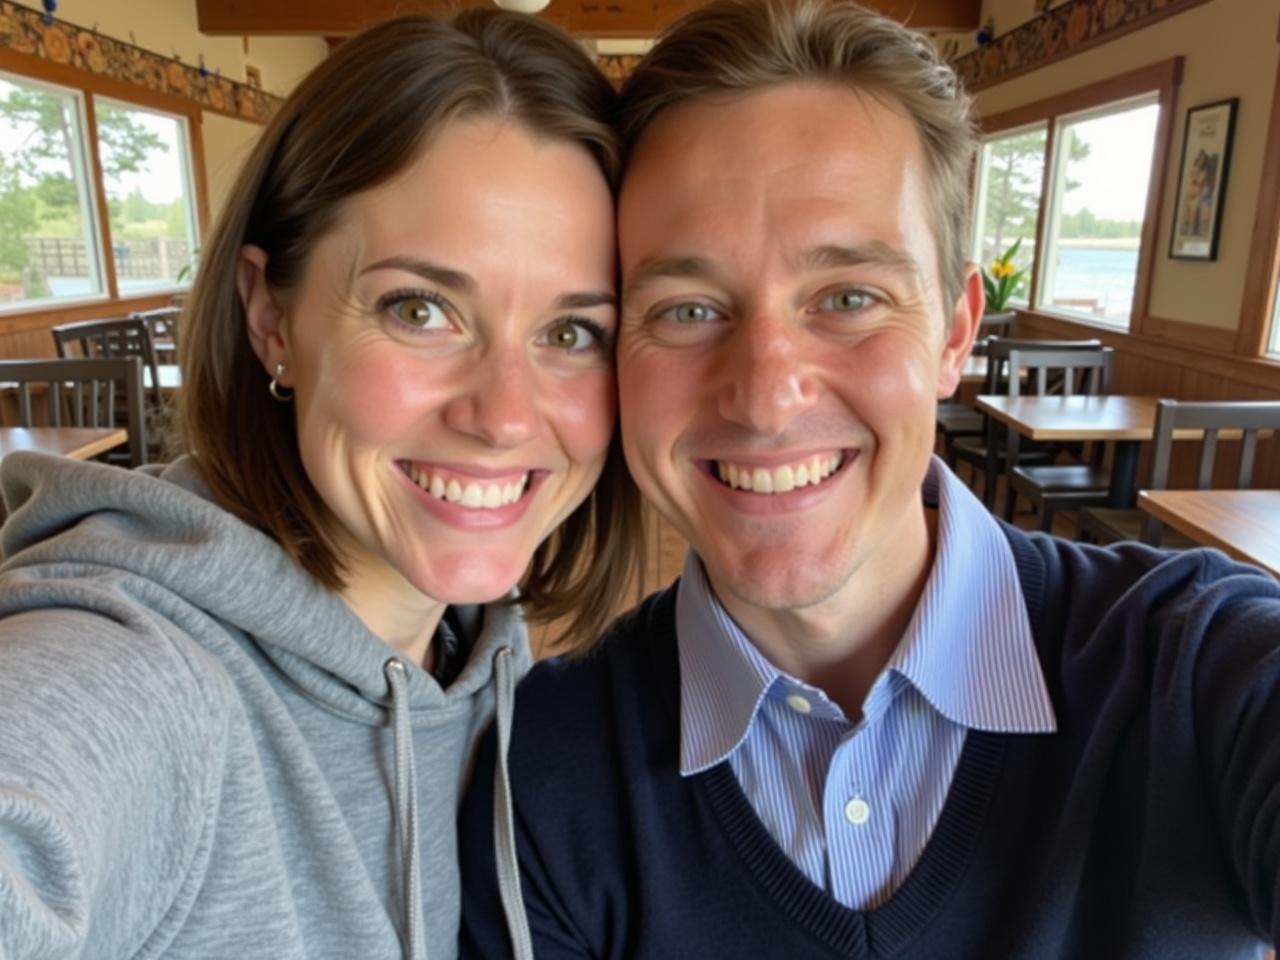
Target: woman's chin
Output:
{"points": [[472, 579]]}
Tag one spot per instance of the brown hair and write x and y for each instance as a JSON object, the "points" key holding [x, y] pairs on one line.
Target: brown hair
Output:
{"points": [[356, 121], [744, 45]]}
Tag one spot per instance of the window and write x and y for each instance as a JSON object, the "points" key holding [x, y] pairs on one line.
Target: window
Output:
{"points": [[1010, 176], [144, 175], [1071, 178], [53, 249], [47, 226], [1097, 197]]}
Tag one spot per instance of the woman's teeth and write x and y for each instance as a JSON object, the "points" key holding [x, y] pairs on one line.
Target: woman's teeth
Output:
{"points": [[782, 479], [472, 494]]}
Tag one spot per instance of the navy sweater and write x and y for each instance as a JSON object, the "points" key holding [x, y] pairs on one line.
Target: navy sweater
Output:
{"points": [[1147, 827]]}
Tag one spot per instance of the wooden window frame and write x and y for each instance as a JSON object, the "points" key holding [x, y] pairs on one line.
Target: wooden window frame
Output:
{"points": [[1257, 306], [88, 86], [1161, 79]]}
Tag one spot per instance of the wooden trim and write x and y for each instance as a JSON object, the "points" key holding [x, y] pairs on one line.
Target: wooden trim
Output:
{"points": [[199, 175], [1042, 212], [1260, 372], [104, 251], [985, 67], [1192, 335], [1161, 150], [65, 75], [1155, 77], [1264, 246]]}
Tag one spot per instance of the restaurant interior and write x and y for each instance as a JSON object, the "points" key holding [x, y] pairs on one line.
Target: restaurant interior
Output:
{"points": [[1126, 384], [1126, 197]]}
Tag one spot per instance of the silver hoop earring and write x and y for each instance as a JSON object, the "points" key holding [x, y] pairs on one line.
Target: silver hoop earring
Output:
{"points": [[273, 387]]}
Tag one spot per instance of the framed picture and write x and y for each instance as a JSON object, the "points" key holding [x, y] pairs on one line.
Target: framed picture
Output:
{"points": [[1202, 180]]}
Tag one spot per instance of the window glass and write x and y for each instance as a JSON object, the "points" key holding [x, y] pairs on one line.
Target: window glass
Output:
{"points": [[47, 231], [1098, 198], [147, 180], [1010, 179]]}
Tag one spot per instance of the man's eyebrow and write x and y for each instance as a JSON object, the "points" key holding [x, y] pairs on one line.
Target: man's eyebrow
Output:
{"points": [[445, 277], [659, 268], [876, 252]]}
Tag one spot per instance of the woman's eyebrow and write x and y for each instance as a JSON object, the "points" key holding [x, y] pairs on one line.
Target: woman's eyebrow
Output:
{"points": [[446, 277]]}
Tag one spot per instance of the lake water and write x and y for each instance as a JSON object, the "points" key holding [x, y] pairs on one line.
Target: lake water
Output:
{"points": [[1102, 276]]}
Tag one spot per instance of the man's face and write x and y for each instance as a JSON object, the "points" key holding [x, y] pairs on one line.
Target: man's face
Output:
{"points": [[785, 338]]}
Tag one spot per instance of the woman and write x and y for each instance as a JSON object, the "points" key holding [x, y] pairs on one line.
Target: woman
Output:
{"points": [[238, 694]]}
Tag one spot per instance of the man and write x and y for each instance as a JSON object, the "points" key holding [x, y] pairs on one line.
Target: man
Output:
{"points": [[868, 720]]}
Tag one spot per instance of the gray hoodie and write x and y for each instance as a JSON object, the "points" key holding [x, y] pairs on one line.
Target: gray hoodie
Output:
{"points": [[203, 752]]}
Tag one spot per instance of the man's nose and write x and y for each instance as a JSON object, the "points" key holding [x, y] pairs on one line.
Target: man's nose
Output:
{"points": [[765, 382]]}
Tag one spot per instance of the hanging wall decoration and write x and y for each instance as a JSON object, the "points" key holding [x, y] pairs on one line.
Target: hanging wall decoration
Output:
{"points": [[39, 34], [1202, 180]]}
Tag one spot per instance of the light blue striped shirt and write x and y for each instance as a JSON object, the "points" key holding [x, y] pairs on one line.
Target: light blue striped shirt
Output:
{"points": [[853, 805]]}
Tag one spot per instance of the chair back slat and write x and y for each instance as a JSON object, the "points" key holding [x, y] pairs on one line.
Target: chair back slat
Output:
{"points": [[105, 339], [83, 391], [1208, 454], [1248, 452]]}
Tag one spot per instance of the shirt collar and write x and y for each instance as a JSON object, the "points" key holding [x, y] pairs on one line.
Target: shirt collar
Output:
{"points": [[968, 648]]}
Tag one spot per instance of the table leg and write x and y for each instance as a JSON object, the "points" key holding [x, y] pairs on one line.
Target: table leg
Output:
{"points": [[1123, 494]]}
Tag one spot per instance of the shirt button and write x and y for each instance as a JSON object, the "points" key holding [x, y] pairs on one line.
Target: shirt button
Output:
{"points": [[798, 703], [856, 811]]}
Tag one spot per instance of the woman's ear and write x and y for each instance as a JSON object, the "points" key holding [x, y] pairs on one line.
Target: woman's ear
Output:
{"points": [[263, 317]]}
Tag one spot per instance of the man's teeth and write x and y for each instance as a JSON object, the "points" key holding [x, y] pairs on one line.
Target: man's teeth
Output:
{"points": [[475, 495], [780, 479]]}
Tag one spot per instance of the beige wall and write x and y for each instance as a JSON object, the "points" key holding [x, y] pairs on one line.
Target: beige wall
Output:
{"points": [[227, 144], [1230, 50]]}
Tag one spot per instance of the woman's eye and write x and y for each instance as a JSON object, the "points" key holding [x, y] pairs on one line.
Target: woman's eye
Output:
{"points": [[419, 313], [848, 301], [575, 336]]}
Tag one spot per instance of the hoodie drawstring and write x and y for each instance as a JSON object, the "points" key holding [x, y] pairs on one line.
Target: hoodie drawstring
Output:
{"points": [[504, 831], [406, 802]]}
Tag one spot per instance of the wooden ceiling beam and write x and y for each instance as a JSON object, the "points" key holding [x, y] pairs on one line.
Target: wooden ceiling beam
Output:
{"points": [[584, 18]]}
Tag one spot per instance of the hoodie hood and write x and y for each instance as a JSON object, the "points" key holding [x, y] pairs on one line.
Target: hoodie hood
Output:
{"points": [[160, 525]]}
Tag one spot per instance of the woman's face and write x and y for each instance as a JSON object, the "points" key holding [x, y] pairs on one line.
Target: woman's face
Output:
{"points": [[450, 351]]}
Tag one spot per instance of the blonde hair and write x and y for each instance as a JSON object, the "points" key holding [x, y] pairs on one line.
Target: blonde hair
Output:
{"points": [[744, 45], [356, 121]]}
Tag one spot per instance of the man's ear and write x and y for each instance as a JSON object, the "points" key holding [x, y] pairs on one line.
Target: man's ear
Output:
{"points": [[263, 316], [966, 318]]}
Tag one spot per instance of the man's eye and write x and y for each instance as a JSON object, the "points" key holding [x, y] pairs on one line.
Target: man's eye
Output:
{"points": [[690, 313], [848, 301], [576, 335], [419, 313]]}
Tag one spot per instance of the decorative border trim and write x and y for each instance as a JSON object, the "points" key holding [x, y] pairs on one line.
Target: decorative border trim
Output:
{"points": [[23, 30], [1064, 30]]}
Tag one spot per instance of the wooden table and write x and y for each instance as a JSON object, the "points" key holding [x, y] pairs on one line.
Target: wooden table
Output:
{"points": [[79, 443], [1244, 524], [1123, 421]]}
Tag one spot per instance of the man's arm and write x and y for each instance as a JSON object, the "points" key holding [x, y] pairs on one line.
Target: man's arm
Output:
{"points": [[1238, 730]]}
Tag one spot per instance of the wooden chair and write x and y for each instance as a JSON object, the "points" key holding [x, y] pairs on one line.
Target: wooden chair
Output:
{"points": [[985, 452], [83, 393], [1248, 419], [163, 322], [1051, 486], [105, 339]]}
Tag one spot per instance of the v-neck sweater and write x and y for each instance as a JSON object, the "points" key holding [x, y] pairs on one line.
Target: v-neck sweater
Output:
{"points": [[1147, 827]]}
